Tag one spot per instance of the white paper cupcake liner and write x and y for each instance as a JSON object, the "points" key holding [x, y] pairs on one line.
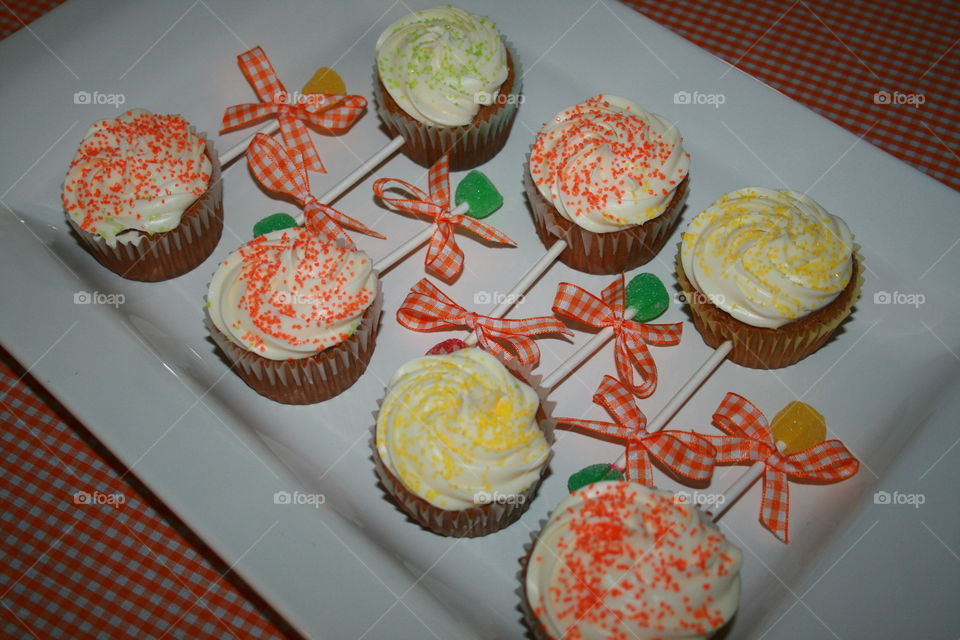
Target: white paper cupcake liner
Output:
{"points": [[166, 255]]}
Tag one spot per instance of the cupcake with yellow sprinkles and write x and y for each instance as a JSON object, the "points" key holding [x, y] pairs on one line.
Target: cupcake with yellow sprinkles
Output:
{"points": [[461, 442], [771, 271]]}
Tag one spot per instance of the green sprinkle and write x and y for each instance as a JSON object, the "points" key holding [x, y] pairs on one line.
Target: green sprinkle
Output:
{"points": [[647, 296], [480, 195], [273, 222], [591, 474]]}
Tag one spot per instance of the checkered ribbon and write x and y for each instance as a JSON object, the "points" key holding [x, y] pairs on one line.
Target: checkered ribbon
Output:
{"points": [[631, 338], [426, 308], [330, 112], [751, 440], [281, 169], [444, 258], [686, 454]]}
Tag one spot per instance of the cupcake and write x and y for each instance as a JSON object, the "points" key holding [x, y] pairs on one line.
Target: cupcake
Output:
{"points": [[143, 193], [447, 83], [619, 560], [610, 179], [296, 314], [461, 443], [772, 272]]}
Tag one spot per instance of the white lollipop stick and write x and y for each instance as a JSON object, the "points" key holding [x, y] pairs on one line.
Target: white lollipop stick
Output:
{"points": [[411, 245], [511, 298], [740, 486], [582, 354], [237, 150]]}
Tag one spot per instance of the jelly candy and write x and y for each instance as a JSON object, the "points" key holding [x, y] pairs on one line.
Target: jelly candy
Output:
{"points": [[273, 222], [647, 296], [799, 426], [480, 195], [593, 473], [327, 81], [447, 346]]}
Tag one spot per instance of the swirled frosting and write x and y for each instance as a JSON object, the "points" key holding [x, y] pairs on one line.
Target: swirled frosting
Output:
{"points": [[137, 171], [619, 560], [607, 164], [460, 430], [767, 257], [289, 294], [441, 65]]}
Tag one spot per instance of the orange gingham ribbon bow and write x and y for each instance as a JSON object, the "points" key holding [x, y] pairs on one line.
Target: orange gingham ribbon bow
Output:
{"points": [[631, 338], [426, 308], [331, 112], [281, 170], [751, 440], [685, 453], [444, 258]]}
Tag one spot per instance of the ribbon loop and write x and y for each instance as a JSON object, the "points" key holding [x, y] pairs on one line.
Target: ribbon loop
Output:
{"points": [[426, 308], [751, 440], [281, 170], [444, 257], [331, 112]]}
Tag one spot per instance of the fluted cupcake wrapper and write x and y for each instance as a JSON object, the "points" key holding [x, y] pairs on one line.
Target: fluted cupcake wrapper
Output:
{"points": [[316, 378], [162, 256], [530, 619], [602, 253], [479, 520], [764, 348], [469, 145]]}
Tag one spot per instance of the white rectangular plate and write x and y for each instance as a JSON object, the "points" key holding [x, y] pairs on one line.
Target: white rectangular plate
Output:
{"points": [[144, 377]]}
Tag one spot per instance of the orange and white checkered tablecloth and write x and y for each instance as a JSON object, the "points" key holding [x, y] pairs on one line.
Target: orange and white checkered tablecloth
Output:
{"points": [[87, 551]]}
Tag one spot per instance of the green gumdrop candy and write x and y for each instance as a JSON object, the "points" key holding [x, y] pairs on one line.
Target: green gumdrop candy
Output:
{"points": [[591, 474], [647, 296], [273, 222], [479, 194]]}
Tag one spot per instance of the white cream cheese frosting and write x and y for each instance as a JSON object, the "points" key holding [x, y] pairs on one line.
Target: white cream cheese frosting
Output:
{"points": [[607, 164], [767, 257], [460, 430]]}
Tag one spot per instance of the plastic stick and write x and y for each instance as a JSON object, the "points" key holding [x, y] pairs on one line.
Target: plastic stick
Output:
{"points": [[740, 486], [411, 245], [238, 149], [582, 354]]}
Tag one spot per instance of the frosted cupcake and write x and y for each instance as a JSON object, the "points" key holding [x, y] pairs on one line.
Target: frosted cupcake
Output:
{"points": [[447, 83], [143, 193], [461, 443], [771, 271], [610, 179], [619, 560], [295, 314]]}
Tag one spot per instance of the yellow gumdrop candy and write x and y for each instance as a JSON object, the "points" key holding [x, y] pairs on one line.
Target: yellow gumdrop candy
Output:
{"points": [[799, 426], [327, 81]]}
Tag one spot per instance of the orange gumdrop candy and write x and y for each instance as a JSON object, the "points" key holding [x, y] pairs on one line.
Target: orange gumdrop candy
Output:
{"points": [[326, 81], [799, 426]]}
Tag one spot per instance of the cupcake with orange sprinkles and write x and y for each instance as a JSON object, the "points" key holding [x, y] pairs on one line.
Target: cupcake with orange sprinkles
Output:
{"points": [[770, 271], [296, 314], [609, 179], [143, 193], [619, 560]]}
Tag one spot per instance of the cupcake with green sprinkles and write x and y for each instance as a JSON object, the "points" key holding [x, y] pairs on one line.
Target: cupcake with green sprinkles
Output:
{"points": [[296, 314], [448, 83]]}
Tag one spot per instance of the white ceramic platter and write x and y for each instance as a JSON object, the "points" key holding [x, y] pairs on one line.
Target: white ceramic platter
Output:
{"points": [[145, 378]]}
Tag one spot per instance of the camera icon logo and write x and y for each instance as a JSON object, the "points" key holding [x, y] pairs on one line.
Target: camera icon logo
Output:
{"points": [[82, 297], [682, 97], [482, 297], [81, 97], [881, 497], [881, 97], [882, 297], [282, 497]]}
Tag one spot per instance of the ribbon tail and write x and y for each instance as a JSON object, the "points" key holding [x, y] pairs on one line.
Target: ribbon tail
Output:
{"points": [[296, 137], [444, 257], [775, 505], [632, 358], [639, 468]]}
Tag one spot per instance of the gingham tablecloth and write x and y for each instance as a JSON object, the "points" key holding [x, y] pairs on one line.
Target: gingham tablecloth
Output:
{"points": [[86, 551]]}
